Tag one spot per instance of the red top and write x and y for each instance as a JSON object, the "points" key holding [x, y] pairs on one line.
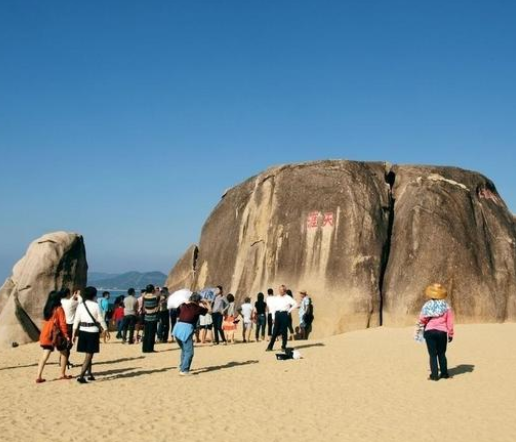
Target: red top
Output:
{"points": [[58, 317], [190, 313], [118, 314]]}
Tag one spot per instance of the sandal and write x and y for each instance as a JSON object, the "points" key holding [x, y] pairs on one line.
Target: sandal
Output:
{"points": [[40, 380], [66, 377]]}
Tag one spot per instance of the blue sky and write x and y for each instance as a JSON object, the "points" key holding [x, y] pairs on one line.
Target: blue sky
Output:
{"points": [[126, 120]]}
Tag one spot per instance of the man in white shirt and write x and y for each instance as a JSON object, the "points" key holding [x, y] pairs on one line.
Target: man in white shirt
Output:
{"points": [[69, 303], [283, 304], [270, 312]]}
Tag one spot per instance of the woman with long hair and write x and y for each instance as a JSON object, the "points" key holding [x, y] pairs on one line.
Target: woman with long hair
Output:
{"points": [[54, 334], [87, 326], [260, 311]]}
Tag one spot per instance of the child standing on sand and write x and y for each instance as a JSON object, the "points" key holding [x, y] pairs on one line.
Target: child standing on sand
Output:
{"points": [[118, 320], [246, 310], [230, 322], [436, 319]]}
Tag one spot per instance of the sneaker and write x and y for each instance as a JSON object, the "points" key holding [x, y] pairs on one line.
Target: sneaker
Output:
{"points": [[185, 373], [40, 380], [433, 378], [81, 380], [445, 376], [91, 378]]}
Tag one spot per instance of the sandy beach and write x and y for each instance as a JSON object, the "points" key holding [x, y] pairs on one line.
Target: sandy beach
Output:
{"points": [[367, 385]]}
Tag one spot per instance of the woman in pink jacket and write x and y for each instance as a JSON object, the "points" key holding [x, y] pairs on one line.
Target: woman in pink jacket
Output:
{"points": [[436, 319]]}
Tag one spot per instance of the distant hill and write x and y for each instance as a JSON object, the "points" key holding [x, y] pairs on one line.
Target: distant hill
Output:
{"points": [[127, 280], [97, 276]]}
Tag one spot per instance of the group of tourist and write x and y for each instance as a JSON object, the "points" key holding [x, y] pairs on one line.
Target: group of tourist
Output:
{"points": [[71, 317]]}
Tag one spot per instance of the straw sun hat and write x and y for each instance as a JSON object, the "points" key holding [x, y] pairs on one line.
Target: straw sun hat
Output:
{"points": [[436, 291]]}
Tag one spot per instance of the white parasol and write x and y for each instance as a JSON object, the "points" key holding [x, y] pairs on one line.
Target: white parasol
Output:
{"points": [[178, 298]]}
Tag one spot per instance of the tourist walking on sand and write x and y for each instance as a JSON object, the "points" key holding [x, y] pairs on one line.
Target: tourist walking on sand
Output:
{"points": [[306, 314], [260, 314], [150, 311], [270, 311], [229, 324], [54, 335], [246, 310], [69, 303], [88, 326], [283, 305], [219, 309], [436, 325], [130, 309], [184, 330]]}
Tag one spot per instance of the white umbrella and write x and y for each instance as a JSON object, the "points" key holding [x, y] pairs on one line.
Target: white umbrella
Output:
{"points": [[178, 298]]}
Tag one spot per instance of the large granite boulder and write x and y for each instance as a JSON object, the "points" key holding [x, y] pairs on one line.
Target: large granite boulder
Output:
{"points": [[364, 239], [54, 261], [318, 226], [450, 226]]}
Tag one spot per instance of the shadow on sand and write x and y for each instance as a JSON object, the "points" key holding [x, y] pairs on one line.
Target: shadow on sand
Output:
{"points": [[299, 347], [26, 366], [461, 369], [123, 373], [117, 361], [223, 367]]}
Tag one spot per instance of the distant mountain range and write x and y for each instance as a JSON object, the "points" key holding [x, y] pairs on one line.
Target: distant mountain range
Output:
{"points": [[123, 281]]}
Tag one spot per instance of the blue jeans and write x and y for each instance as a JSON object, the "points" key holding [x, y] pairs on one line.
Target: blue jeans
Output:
{"points": [[187, 353], [119, 328], [261, 322]]}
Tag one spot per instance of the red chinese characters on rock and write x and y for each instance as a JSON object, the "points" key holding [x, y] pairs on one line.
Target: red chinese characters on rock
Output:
{"points": [[312, 220], [327, 220]]}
